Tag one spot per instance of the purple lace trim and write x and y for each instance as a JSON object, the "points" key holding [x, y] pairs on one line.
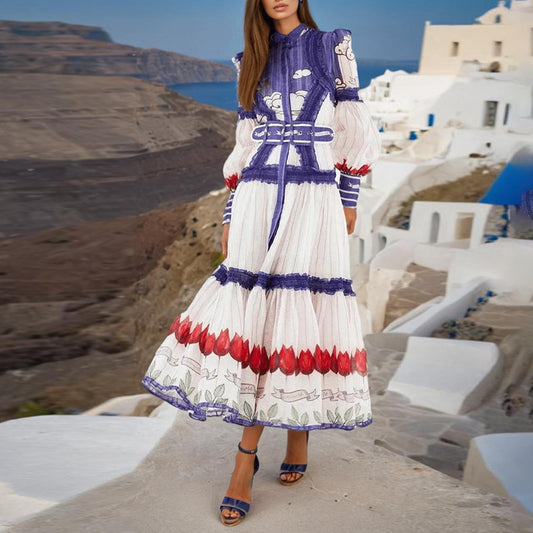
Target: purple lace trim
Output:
{"points": [[202, 410], [350, 93], [243, 113], [248, 280]]}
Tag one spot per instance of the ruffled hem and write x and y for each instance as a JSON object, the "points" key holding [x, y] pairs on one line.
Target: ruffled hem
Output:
{"points": [[203, 410]]}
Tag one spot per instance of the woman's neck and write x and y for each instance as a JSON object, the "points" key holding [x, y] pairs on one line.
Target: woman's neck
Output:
{"points": [[288, 24]]}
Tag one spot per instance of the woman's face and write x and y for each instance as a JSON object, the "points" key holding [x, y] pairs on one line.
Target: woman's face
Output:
{"points": [[280, 9]]}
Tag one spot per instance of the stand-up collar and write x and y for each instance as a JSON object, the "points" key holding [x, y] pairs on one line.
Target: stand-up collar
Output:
{"points": [[291, 36]]}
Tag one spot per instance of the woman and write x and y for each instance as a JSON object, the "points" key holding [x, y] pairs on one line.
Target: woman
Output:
{"points": [[273, 337]]}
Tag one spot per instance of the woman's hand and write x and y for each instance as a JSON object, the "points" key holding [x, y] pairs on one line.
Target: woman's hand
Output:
{"points": [[351, 216], [225, 233]]}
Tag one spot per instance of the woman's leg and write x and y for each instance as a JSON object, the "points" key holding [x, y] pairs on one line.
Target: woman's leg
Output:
{"points": [[241, 478], [296, 452]]}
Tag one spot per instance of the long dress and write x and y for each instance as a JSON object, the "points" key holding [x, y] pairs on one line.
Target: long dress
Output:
{"points": [[274, 336]]}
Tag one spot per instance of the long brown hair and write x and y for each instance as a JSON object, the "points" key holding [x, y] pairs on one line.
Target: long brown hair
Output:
{"points": [[257, 28]]}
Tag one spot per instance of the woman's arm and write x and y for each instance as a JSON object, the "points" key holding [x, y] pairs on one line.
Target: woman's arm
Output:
{"points": [[356, 144], [235, 162]]}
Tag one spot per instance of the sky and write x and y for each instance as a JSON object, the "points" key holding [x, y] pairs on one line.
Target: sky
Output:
{"points": [[212, 29]]}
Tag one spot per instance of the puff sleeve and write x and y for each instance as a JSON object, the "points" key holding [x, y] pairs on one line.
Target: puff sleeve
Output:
{"points": [[356, 144], [235, 162]]}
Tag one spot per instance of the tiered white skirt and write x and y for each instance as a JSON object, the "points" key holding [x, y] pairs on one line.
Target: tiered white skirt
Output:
{"points": [[273, 336]]}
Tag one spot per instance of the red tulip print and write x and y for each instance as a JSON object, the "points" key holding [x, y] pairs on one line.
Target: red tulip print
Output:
{"points": [[360, 362], [236, 348], [263, 364], [274, 361], [245, 353], [195, 333], [306, 362], [221, 346], [206, 342], [201, 340], [209, 343], [255, 359], [175, 325], [182, 333], [343, 363], [322, 360], [334, 366], [287, 360]]}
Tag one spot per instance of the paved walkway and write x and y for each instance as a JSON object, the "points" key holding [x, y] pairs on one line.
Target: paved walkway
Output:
{"points": [[352, 485]]}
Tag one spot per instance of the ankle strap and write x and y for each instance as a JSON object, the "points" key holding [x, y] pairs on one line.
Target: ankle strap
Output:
{"points": [[244, 450]]}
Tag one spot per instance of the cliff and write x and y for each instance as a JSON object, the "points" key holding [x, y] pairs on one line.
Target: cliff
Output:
{"points": [[60, 48]]}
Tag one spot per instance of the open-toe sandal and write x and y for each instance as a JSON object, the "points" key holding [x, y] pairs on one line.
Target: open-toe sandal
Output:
{"points": [[234, 504], [287, 468]]}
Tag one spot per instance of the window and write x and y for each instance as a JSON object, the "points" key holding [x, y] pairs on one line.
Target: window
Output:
{"points": [[490, 113], [497, 48], [497, 19], [455, 48], [463, 226], [434, 227]]}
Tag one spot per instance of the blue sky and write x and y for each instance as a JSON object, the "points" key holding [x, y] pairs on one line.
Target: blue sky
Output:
{"points": [[212, 29]]}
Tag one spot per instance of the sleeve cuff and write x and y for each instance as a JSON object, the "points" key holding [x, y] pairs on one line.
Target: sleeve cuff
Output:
{"points": [[226, 217], [349, 189]]}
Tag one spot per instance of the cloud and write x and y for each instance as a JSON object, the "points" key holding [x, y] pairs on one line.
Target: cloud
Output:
{"points": [[273, 101], [300, 73], [297, 100], [344, 48]]}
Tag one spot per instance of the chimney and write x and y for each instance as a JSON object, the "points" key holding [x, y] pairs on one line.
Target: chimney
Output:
{"points": [[501, 3]]}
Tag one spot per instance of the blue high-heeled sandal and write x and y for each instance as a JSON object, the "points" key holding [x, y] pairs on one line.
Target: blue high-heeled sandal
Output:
{"points": [[287, 468], [234, 504]]}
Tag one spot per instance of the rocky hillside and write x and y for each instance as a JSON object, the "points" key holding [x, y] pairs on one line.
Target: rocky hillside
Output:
{"points": [[60, 48], [55, 117], [80, 148], [101, 295]]}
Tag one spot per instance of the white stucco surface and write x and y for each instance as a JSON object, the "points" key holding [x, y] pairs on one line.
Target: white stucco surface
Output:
{"points": [[448, 375], [507, 263], [121, 405], [453, 306], [47, 459], [503, 464]]}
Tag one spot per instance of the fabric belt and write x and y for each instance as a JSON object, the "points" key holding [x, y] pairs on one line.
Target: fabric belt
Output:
{"points": [[299, 132], [286, 133]]}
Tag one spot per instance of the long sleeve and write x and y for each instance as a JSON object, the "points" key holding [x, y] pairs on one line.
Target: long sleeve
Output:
{"points": [[357, 144], [237, 159]]}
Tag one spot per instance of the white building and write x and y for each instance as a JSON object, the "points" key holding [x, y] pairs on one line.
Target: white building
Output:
{"points": [[439, 124], [500, 40], [470, 76]]}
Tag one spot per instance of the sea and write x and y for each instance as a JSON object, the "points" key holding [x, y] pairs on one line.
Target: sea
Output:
{"points": [[224, 94]]}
